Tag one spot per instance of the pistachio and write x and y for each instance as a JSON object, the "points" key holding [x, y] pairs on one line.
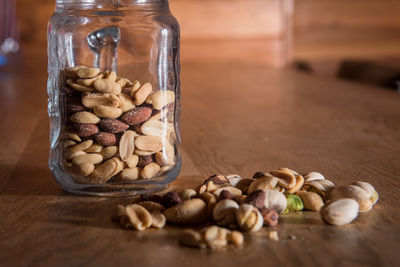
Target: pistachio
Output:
{"points": [[224, 212], [275, 200], [187, 212], [256, 198], [298, 186], [286, 178], [341, 211], [355, 192], [313, 176], [293, 203], [370, 189], [321, 187], [267, 183], [217, 179], [139, 217], [312, 201], [249, 218]]}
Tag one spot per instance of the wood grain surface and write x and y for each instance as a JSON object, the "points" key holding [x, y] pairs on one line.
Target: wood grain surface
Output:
{"points": [[237, 118]]}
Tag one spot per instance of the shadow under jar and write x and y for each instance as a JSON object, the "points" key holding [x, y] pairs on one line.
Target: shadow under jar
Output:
{"points": [[114, 95]]}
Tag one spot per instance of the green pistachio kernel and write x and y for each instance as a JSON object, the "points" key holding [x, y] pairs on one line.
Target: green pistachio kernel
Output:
{"points": [[294, 203]]}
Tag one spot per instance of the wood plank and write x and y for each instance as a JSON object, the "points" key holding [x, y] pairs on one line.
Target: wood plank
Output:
{"points": [[237, 118]]}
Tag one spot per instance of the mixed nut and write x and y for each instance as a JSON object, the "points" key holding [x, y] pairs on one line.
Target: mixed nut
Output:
{"points": [[115, 130], [235, 204]]}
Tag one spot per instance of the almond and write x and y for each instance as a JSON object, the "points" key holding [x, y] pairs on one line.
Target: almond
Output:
{"points": [[143, 92], [105, 139], [127, 145], [149, 143], [107, 112], [91, 100], [84, 117], [85, 129], [107, 86], [74, 105], [113, 125], [136, 115], [144, 160]]}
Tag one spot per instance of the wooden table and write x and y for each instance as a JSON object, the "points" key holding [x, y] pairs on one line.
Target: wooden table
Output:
{"points": [[237, 118]]}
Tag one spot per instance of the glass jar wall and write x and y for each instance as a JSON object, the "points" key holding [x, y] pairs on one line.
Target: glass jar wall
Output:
{"points": [[114, 95]]}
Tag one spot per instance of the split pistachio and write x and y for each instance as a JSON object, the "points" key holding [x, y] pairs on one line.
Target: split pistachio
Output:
{"points": [[224, 212], [249, 218], [275, 200], [294, 203]]}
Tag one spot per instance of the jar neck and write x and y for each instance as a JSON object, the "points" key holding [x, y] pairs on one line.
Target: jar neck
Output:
{"points": [[107, 4]]}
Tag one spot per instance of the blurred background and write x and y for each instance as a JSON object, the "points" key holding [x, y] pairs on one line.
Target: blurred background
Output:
{"points": [[348, 39]]}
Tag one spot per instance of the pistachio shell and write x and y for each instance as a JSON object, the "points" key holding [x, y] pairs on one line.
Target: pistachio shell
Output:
{"points": [[340, 212]]}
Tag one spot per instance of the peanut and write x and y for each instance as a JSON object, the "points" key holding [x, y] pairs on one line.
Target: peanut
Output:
{"points": [[107, 112], [84, 117]]}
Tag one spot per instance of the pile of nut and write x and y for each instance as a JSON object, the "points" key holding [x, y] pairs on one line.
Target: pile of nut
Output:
{"points": [[115, 129], [237, 204]]}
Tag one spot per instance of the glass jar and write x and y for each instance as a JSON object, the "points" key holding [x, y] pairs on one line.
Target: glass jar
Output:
{"points": [[114, 95]]}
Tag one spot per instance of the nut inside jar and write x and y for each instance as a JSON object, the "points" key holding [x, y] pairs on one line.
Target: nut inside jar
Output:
{"points": [[113, 126]]}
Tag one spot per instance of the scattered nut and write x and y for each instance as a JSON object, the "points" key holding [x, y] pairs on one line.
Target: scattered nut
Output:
{"points": [[249, 218], [312, 201], [275, 200], [224, 212], [270, 216], [187, 212], [186, 194], [139, 217], [339, 212]]}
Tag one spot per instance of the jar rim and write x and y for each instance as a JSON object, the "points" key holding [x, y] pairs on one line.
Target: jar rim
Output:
{"points": [[108, 1]]}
